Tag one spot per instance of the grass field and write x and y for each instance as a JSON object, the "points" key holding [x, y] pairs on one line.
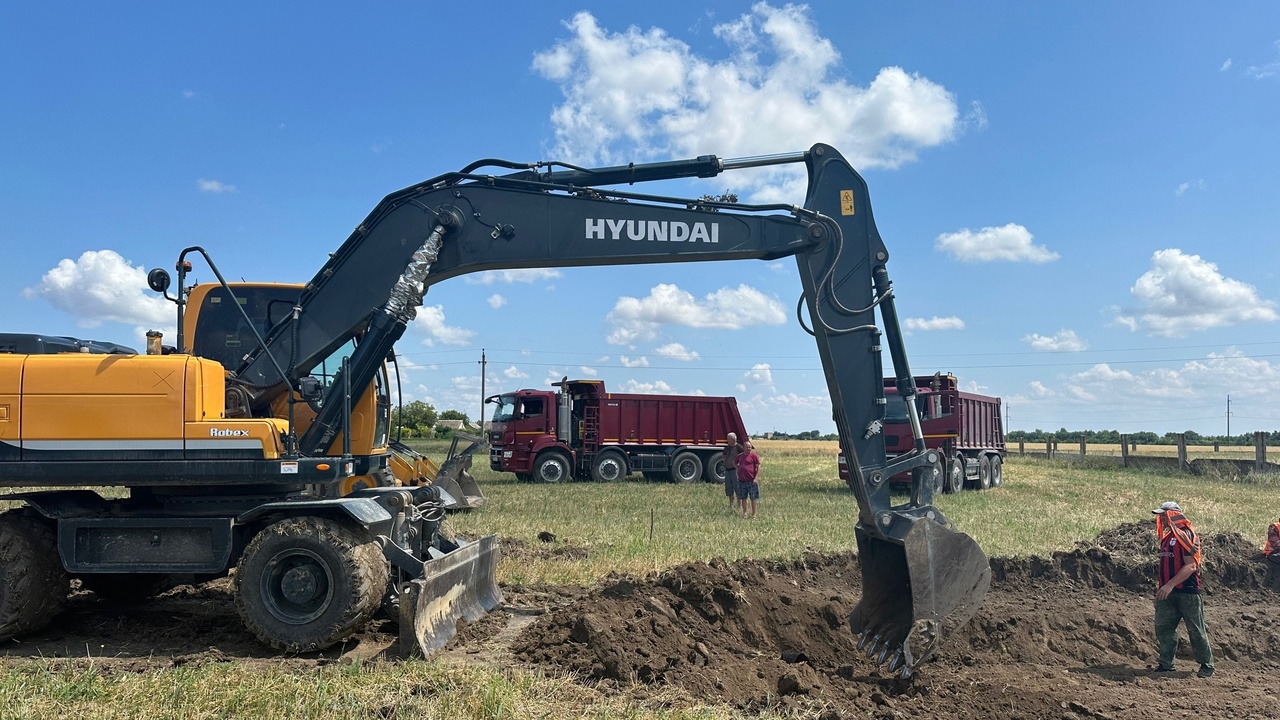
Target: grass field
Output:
{"points": [[632, 527]]}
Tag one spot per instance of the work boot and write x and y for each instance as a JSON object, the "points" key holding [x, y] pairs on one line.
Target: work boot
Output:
{"points": [[1205, 671]]}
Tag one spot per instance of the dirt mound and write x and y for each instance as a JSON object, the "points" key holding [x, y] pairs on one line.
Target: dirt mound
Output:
{"points": [[1066, 636], [1124, 556]]}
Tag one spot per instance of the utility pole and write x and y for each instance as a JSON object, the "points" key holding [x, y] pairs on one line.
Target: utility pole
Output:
{"points": [[480, 421], [1228, 417]]}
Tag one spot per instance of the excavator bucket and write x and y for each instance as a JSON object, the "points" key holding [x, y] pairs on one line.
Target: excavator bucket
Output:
{"points": [[461, 584], [916, 591], [413, 468]]}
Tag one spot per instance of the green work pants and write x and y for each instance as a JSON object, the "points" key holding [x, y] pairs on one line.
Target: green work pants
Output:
{"points": [[1172, 610]]}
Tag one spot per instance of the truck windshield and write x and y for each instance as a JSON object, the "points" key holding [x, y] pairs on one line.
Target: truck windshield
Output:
{"points": [[505, 409], [895, 411]]}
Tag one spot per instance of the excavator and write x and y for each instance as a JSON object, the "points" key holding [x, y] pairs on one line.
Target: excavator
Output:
{"points": [[267, 452]]}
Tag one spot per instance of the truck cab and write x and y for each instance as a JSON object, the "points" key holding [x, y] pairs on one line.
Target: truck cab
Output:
{"points": [[523, 425]]}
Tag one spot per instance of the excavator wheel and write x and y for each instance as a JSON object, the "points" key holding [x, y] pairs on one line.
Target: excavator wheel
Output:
{"points": [[305, 583], [33, 585]]}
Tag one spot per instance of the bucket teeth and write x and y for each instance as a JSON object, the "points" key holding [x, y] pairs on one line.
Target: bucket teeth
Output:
{"points": [[862, 641], [896, 661], [873, 647], [884, 653], [906, 672]]}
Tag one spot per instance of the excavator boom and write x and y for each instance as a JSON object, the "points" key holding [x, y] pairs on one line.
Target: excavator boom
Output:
{"points": [[922, 578]]}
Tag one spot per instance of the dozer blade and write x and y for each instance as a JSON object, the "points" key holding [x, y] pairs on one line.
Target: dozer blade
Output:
{"points": [[454, 479], [459, 584], [916, 592]]}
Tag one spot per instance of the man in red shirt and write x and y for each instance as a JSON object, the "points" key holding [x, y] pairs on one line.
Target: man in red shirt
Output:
{"points": [[1178, 595], [748, 479]]}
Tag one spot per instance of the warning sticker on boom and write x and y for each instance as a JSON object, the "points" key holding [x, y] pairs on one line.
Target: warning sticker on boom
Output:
{"points": [[846, 202]]}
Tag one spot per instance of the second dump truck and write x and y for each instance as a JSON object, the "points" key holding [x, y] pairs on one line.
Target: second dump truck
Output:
{"points": [[582, 431]]}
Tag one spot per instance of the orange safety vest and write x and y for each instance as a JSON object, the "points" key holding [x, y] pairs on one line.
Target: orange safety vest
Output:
{"points": [[1273, 539]]}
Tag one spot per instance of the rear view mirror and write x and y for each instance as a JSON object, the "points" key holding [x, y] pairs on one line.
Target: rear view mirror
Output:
{"points": [[158, 280]]}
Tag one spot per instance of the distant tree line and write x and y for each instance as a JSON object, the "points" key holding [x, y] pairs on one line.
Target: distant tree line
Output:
{"points": [[1112, 437], [419, 419]]}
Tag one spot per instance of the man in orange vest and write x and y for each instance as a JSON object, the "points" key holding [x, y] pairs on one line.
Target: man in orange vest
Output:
{"points": [[1178, 596], [1272, 548]]}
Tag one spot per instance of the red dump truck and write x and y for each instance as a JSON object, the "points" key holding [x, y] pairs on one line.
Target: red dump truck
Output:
{"points": [[965, 427], [584, 432]]}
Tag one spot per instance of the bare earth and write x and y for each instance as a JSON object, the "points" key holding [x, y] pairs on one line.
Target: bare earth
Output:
{"points": [[1062, 637]]}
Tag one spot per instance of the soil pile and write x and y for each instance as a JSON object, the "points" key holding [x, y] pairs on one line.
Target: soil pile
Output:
{"points": [[1067, 636]]}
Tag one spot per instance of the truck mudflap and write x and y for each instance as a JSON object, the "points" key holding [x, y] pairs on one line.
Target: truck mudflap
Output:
{"points": [[916, 590], [457, 585]]}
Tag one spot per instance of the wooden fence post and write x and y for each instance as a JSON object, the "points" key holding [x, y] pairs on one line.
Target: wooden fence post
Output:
{"points": [[1215, 447], [1182, 452], [1124, 451], [1048, 448], [1259, 450], [1081, 448], [1022, 450]]}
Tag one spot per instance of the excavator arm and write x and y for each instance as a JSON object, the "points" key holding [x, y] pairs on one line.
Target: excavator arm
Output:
{"points": [[921, 578]]}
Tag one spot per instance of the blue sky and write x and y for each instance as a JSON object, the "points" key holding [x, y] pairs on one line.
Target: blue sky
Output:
{"points": [[1080, 202]]}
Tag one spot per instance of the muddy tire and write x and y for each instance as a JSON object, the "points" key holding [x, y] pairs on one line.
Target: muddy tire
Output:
{"points": [[552, 467], [984, 472], [685, 467], [126, 587], [955, 476], [609, 466], [33, 585], [305, 583], [997, 471]]}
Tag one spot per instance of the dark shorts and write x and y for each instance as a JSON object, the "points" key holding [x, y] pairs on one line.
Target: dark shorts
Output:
{"points": [[748, 491], [730, 482]]}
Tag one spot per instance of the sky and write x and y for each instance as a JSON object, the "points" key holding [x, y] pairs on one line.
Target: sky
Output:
{"points": [[1081, 202]]}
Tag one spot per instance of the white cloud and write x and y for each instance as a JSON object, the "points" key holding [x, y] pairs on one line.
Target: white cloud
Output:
{"points": [[759, 374], [781, 86], [188, 94], [1226, 65], [676, 351], [587, 371], [1011, 243], [101, 286], [430, 320], [636, 319], [1061, 341], [1039, 389], [514, 373], [657, 387], [1189, 185], [496, 301], [214, 186], [508, 277], [1182, 293], [641, 361], [379, 146], [933, 323], [1270, 69]]}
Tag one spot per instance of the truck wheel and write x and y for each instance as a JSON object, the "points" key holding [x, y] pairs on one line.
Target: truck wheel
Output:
{"points": [[127, 587], [552, 467], [714, 471], [984, 473], [955, 476], [997, 471], [686, 467], [609, 466], [305, 583], [33, 585]]}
